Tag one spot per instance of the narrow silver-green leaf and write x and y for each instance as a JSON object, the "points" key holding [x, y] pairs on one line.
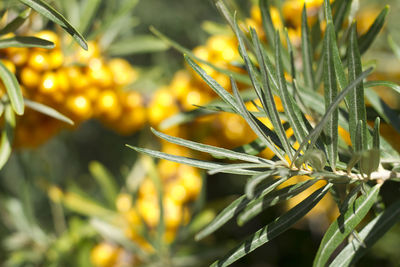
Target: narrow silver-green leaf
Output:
{"points": [[264, 201], [7, 135], [267, 23], [313, 135], [53, 15], [395, 47], [330, 93], [367, 38], [255, 124], [376, 134], [47, 111], [287, 102], [106, 181], [370, 234], [25, 41], [267, 97], [355, 98], [217, 151], [13, 89], [16, 22], [344, 225], [349, 199], [341, 8], [253, 148], [241, 166], [389, 84], [202, 164], [137, 44], [307, 53], [274, 229], [255, 180], [88, 10]]}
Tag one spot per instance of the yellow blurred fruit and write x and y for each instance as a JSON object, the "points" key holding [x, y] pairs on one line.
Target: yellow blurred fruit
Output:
{"points": [[19, 56], [79, 106], [149, 210], [38, 60], [104, 255], [56, 58], [123, 73], [84, 56], [123, 202], [9, 65], [49, 83], [108, 106], [190, 179]]}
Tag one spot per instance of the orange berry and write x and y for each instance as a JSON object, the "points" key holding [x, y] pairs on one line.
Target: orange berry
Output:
{"points": [[56, 58]]}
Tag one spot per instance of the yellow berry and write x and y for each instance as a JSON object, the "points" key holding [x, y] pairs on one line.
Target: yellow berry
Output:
{"points": [[108, 105], [49, 83], [122, 71], [104, 255], [38, 60], [123, 202], [79, 106]]}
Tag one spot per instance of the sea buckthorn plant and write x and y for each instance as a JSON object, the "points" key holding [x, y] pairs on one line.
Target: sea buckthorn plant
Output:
{"points": [[309, 76]]}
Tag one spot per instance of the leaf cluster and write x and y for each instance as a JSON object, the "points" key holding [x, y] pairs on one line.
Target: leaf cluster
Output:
{"points": [[331, 63]]}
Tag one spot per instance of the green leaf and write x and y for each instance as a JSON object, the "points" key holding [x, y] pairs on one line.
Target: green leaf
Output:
{"points": [[349, 199], [264, 201], [16, 23], [330, 93], [344, 225], [220, 152], [388, 114], [239, 77], [255, 180], [89, 10], [355, 98], [287, 101], [376, 134], [367, 38], [7, 136], [185, 117], [258, 127], [369, 161], [312, 137], [236, 207], [47, 111], [52, 14], [202, 164], [307, 52], [395, 47], [315, 157], [241, 166], [268, 99], [268, 25], [13, 89], [106, 181], [25, 41], [136, 45], [389, 84], [253, 148], [341, 8], [370, 234], [274, 229]]}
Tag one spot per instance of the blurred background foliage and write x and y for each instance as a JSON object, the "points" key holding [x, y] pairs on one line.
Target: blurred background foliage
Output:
{"points": [[37, 230]]}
